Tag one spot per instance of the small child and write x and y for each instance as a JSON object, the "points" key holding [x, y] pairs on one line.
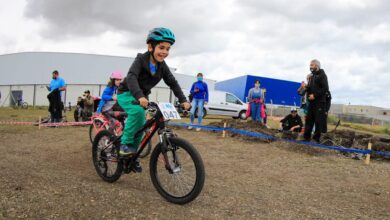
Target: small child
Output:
{"points": [[146, 71], [109, 97]]}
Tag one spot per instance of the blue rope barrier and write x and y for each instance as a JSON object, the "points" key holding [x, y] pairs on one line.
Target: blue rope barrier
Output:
{"points": [[259, 135], [381, 153], [250, 133]]}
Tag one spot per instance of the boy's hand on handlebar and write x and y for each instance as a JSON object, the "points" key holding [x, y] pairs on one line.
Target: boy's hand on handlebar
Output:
{"points": [[143, 102], [186, 105]]}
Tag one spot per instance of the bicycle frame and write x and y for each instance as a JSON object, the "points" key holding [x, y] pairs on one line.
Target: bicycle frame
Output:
{"points": [[156, 123], [105, 123], [102, 119]]}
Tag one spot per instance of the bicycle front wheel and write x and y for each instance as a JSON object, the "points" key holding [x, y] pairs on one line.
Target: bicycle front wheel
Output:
{"points": [[184, 180]]}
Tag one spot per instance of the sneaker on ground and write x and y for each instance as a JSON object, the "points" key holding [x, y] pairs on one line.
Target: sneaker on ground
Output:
{"points": [[189, 127], [197, 129]]}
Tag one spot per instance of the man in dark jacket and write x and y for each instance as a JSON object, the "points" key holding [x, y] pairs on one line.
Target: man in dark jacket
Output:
{"points": [[316, 92], [291, 122], [57, 85]]}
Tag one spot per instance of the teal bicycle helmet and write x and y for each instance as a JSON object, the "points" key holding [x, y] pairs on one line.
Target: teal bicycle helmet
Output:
{"points": [[161, 35]]}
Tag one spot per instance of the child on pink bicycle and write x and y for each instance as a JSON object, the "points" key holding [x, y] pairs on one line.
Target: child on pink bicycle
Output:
{"points": [[109, 99]]}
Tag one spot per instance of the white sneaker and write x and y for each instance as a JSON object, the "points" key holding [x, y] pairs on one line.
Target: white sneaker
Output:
{"points": [[189, 127], [197, 129]]}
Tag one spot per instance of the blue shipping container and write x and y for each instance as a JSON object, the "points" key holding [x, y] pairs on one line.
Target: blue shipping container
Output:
{"points": [[278, 92]]}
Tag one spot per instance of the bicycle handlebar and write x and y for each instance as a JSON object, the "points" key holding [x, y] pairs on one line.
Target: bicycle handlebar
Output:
{"points": [[150, 104]]}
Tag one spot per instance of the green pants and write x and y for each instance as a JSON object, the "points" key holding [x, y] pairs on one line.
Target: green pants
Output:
{"points": [[135, 119]]}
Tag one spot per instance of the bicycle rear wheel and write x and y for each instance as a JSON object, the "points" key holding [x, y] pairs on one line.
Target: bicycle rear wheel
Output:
{"points": [[105, 156], [24, 105], [185, 181]]}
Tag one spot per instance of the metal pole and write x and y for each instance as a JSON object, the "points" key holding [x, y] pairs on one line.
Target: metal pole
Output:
{"points": [[65, 100], [35, 90], [10, 95], [100, 89]]}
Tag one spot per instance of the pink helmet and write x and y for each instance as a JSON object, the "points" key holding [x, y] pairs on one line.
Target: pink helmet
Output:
{"points": [[116, 75]]}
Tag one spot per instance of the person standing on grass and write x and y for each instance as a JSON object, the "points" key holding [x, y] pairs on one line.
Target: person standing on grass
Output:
{"points": [[302, 91], [200, 96], [256, 100], [316, 92], [56, 87]]}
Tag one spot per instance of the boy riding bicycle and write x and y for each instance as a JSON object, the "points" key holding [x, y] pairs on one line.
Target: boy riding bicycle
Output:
{"points": [[146, 71]]}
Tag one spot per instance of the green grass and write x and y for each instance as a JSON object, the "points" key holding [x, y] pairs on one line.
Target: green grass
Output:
{"points": [[27, 115], [368, 128]]}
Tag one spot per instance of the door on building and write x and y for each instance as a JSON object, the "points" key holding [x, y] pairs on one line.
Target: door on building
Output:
{"points": [[16, 95]]}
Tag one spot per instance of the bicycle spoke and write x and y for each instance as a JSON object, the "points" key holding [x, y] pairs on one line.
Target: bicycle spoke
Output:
{"points": [[182, 180]]}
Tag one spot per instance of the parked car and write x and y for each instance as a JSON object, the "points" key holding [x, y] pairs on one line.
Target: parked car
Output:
{"points": [[221, 103]]}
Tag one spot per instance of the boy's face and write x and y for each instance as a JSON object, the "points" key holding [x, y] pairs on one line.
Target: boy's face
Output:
{"points": [[161, 51]]}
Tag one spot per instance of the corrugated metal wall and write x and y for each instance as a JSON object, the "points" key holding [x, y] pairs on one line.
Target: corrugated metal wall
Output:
{"points": [[236, 86], [161, 94], [31, 72], [279, 92]]}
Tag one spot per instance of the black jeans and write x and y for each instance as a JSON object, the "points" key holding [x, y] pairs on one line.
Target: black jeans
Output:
{"points": [[56, 115], [315, 116]]}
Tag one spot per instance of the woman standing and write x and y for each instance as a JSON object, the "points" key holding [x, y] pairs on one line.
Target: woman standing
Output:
{"points": [[256, 100], [200, 96]]}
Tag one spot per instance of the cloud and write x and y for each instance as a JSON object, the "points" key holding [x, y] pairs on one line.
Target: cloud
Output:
{"points": [[225, 39]]}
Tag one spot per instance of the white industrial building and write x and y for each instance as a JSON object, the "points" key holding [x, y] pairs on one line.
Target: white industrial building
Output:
{"points": [[28, 73]]}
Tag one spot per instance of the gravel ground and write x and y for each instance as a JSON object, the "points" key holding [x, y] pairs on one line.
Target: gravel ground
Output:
{"points": [[48, 174]]}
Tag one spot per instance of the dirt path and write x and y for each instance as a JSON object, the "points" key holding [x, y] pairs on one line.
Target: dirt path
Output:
{"points": [[48, 174]]}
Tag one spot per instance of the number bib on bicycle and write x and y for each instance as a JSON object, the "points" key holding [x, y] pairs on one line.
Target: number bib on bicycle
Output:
{"points": [[168, 111]]}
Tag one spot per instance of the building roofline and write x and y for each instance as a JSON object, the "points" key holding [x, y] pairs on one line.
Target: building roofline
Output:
{"points": [[249, 75], [56, 52]]}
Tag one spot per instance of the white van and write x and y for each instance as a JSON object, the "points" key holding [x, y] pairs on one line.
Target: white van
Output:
{"points": [[224, 103]]}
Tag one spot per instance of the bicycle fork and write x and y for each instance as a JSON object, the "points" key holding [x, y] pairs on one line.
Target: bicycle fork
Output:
{"points": [[166, 146]]}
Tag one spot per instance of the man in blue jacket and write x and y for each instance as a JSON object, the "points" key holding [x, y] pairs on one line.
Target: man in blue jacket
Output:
{"points": [[200, 96], [57, 85]]}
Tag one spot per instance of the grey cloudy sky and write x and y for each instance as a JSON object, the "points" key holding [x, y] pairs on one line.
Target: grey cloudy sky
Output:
{"points": [[223, 39]]}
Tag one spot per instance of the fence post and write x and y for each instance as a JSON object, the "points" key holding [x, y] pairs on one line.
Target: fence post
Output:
{"points": [[368, 156], [224, 131], [34, 94]]}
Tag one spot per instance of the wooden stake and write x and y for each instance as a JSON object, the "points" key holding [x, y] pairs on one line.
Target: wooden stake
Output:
{"points": [[39, 123], [368, 156], [224, 132]]}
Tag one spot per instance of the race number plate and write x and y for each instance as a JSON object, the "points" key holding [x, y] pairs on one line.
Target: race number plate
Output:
{"points": [[169, 111]]}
